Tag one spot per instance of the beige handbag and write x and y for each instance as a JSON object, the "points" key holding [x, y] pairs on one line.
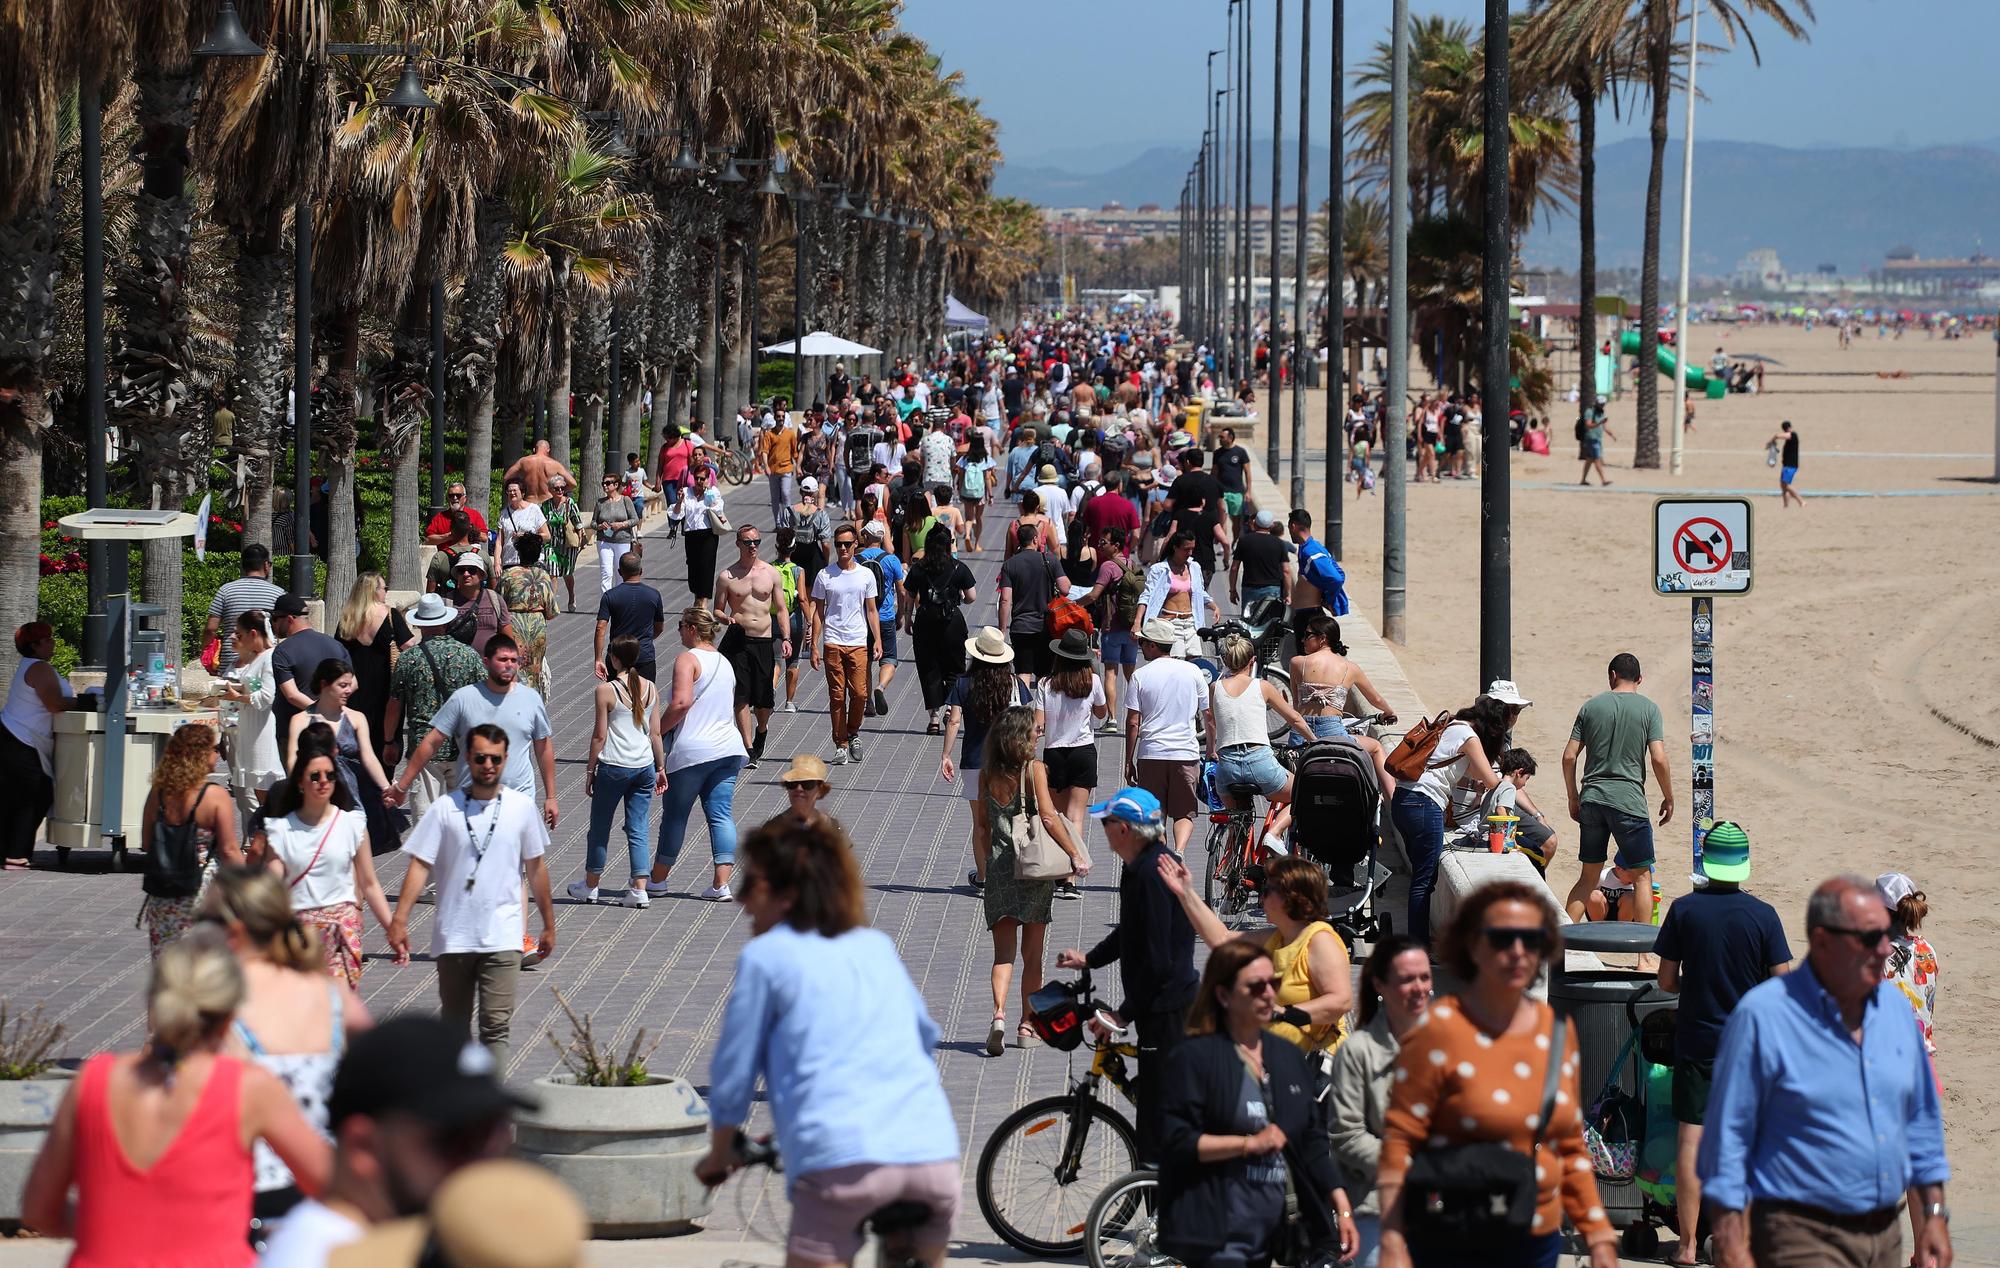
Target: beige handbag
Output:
{"points": [[1037, 857]]}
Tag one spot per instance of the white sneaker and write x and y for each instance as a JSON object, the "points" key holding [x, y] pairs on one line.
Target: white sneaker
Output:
{"points": [[840, 756], [636, 897], [582, 893], [657, 889], [791, 706], [1274, 845], [715, 894]]}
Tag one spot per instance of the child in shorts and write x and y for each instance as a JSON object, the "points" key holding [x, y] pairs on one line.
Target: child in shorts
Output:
{"points": [[1533, 836]]}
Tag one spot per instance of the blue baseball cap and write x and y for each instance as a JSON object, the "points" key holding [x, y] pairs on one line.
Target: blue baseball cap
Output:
{"points": [[1133, 805]]}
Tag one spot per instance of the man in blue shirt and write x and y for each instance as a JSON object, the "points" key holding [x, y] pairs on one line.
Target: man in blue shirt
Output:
{"points": [[877, 552], [1716, 945], [1321, 584], [1824, 1113]]}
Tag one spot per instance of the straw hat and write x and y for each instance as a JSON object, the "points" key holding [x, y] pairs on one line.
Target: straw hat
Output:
{"points": [[991, 646], [1160, 632], [499, 1214], [804, 769]]}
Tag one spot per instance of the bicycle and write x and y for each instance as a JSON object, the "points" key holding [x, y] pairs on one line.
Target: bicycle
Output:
{"points": [[1236, 855], [893, 1225], [1123, 1226], [1268, 665], [1049, 1159], [730, 465]]}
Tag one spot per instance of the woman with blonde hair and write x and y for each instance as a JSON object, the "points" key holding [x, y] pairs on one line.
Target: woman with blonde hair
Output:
{"points": [[373, 633], [294, 1021], [186, 832], [626, 766], [318, 844], [181, 1095], [706, 755], [1014, 787]]}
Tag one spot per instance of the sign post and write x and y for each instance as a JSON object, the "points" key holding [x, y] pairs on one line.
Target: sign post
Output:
{"points": [[1701, 548]]}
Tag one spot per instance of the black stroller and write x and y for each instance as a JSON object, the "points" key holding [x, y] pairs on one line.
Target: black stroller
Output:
{"points": [[1337, 822]]}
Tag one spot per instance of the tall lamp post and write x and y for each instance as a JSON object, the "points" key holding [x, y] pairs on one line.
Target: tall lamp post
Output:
{"points": [[96, 623], [228, 39], [1394, 581], [1299, 286], [1495, 510], [1336, 295], [1277, 201], [1240, 256]]}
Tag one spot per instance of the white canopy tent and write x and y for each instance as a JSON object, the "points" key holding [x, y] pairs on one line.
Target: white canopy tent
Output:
{"points": [[821, 344]]}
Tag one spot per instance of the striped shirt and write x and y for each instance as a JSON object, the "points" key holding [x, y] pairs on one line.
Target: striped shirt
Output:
{"points": [[236, 597]]}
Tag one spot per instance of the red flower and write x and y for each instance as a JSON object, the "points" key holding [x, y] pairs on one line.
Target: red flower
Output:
{"points": [[48, 523]]}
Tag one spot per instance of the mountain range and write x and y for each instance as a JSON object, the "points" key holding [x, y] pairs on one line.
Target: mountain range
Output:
{"points": [[1816, 206]]}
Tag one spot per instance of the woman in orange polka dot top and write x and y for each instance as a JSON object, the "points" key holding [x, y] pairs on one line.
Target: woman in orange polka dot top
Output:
{"points": [[1473, 1070]]}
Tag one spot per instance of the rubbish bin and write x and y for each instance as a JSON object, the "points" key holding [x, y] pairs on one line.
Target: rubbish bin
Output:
{"points": [[1605, 1004]]}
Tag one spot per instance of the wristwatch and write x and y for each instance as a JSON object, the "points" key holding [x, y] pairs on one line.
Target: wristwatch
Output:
{"points": [[1938, 1211]]}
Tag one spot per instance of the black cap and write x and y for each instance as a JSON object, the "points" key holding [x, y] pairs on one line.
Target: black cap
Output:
{"points": [[420, 1066], [289, 605]]}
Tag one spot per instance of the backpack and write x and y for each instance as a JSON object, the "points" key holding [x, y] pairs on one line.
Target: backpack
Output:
{"points": [[1126, 594], [788, 581], [1582, 430], [173, 859], [1049, 454], [937, 597], [861, 451], [1412, 756], [874, 568]]}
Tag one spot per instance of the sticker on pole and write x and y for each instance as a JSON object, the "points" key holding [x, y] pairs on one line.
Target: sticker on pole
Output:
{"points": [[1701, 546]]}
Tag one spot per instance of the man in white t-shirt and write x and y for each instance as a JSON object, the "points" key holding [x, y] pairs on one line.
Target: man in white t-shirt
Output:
{"points": [[1054, 498], [1162, 750], [845, 627], [478, 842], [411, 1103]]}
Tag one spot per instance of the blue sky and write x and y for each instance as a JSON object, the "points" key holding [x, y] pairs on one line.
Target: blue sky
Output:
{"points": [[1119, 75]]}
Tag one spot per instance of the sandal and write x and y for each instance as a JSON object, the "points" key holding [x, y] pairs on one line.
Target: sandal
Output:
{"points": [[996, 1037], [1025, 1036], [19, 865]]}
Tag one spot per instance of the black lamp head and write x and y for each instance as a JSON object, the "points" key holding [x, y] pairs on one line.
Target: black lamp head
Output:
{"points": [[687, 160], [410, 94], [227, 38]]}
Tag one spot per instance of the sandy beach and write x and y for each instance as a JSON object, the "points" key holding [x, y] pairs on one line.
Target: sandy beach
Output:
{"points": [[1857, 687]]}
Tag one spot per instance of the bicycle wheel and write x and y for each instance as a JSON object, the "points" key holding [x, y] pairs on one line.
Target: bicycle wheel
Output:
{"points": [[1044, 1164], [1275, 725], [734, 469], [1123, 1224], [1233, 898], [1218, 852]]}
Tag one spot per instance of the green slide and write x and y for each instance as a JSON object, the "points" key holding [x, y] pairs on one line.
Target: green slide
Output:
{"points": [[1697, 378]]}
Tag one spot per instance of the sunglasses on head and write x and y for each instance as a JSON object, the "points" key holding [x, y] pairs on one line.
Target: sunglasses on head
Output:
{"points": [[1501, 937]]}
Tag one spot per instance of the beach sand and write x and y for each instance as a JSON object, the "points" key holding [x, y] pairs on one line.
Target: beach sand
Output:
{"points": [[1857, 687]]}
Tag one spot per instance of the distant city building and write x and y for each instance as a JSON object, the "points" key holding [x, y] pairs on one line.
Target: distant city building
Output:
{"points": [[1112, 226], [1760, 270], [1908, 274]]}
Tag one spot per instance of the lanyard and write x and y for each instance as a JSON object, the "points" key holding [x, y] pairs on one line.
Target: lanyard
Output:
{"points": [[479, 850]]}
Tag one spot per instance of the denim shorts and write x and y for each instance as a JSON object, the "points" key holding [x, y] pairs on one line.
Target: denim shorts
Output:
{"points": [[1328, 726], [1600, 824], [888, 641], [1119, 647], [1249, 764]]}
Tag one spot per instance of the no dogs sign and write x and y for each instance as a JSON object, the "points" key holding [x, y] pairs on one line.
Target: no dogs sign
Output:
{"points": [[1701, 546]]}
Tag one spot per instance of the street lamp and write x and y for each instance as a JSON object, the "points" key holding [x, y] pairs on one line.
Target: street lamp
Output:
{"points": [[226, 38]]}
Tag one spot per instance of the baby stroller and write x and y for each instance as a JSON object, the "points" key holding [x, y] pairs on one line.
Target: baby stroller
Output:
{"points": [[1337, 822]]}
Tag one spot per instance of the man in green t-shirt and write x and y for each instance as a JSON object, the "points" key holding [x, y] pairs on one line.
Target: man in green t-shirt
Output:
{"points": [[1620, 731]]}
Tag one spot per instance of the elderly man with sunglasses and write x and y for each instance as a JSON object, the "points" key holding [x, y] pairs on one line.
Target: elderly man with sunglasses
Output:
{"points": [[1824, 1116], [438, 531]]}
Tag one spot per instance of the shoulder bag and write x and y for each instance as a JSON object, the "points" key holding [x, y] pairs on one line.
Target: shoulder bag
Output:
{"points": [[572, 531], [1467, 1198], [1037, 857], [1412, 755]]}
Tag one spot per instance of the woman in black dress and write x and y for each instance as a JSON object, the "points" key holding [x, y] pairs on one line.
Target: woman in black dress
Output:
{"points": [[372, 632]]}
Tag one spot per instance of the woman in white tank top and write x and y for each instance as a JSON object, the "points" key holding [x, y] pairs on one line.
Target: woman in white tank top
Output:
{"points": [[626, 767], [704, 755], [1237, 739]]}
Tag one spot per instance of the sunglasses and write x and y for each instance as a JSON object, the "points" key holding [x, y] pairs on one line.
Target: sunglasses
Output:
{"points": [[805, 785], [1866, 937], [752, 542], [486, 759], [319, 777], [1259, 985], [454, 497], [1501, 937], [846, 543]]}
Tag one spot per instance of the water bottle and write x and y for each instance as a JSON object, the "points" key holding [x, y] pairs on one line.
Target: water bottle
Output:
{"points": [[1656, 898]]}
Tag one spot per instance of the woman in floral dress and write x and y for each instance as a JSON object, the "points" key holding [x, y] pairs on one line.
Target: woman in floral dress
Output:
{"points": [[181, 802], [558, 557], [530, 595]]}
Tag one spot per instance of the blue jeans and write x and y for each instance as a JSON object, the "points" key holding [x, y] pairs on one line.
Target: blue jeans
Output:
{"points": [[632, 785], [1420, 822], [714, 782], [1253, 595]]}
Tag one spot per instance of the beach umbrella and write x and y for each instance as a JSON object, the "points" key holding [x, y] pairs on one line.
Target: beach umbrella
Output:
{"points": [[1906, 315]]}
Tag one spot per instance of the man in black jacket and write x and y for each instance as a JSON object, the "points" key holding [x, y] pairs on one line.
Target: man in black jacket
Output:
{"points": [[1152, 944]]}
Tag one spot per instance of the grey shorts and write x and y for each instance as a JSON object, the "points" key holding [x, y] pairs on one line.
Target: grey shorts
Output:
{"points": [[829, 1206]]}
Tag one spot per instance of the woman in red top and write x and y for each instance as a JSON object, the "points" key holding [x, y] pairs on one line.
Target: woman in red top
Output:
{"points": [[157, 1144]]}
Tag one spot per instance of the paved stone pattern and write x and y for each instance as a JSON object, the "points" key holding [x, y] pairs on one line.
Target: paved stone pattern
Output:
{"points": [[70, 943]]}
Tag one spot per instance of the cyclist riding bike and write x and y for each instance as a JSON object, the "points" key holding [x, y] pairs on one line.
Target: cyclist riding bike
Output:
{"points": [[824, 1011], [1239, 741]]}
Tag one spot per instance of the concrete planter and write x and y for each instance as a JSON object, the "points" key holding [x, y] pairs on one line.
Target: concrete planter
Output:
{"points": [[27, 1107], [629, 1152]]}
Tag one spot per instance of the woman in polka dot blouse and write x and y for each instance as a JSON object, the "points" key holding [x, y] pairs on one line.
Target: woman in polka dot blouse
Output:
{"points": [[1473, 1070]]}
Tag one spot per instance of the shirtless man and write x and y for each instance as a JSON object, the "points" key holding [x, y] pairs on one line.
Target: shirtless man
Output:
{"points": [[534, 471], [749, 596], [948, 514]]}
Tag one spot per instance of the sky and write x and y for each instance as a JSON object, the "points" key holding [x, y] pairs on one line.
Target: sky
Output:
{"points": [[1066, 78]]}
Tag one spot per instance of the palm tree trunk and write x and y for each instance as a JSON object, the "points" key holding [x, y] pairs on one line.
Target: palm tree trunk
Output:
{"points": [[406, 393], [1585, 91], [559, 379], [1646, 449], [591, 347], [263, 357], [29, 263], [336, 433], [478, 344]]}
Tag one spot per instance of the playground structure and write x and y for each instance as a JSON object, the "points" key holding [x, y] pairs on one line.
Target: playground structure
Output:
{"points": [[1698, 379]]}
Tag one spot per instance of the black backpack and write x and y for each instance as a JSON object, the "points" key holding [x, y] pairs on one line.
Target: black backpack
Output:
{"points": [[1049, 454], [1582, 429], [861, 450], [173, 859], [937, 597], [874, 568]]}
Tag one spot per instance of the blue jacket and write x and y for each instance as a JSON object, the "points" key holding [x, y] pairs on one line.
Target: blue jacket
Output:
{"points": [[1318, 566]]}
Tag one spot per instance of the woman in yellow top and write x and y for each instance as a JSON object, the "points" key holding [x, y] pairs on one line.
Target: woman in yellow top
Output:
{"points": [[1310, 959]]}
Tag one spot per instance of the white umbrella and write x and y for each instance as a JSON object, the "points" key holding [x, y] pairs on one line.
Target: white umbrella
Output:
{"points": [[821, 344]]}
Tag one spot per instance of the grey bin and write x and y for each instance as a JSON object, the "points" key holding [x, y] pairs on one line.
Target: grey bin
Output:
{"points": [[1597, 1002]]}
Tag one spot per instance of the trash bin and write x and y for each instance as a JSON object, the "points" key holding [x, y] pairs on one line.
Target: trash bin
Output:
{"points": [[1606, 1004]]}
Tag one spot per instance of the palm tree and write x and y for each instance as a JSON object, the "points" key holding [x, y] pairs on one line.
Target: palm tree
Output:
{"points": [[1643, 34]]}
